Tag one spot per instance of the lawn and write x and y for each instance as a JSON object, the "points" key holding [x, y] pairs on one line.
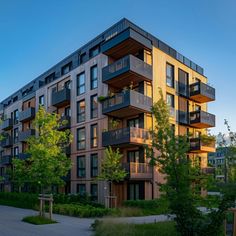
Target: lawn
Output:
{"points": [[38, 220], [154, 229]]}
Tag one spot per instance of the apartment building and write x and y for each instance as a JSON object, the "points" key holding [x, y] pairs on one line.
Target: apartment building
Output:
{"points": [[105, 90]]}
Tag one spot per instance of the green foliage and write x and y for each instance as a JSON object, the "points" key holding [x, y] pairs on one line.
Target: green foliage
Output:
{"points": [[110, 228], [48, 162], [111, 169], [38, 220]]}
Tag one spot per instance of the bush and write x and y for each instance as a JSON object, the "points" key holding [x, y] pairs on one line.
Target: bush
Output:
{"points": [[38, 220]]}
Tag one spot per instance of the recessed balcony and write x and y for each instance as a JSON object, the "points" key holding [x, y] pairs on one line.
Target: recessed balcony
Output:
{"points": [[127, 103], [138, 171], [200, 92], [27, 114], [197, 145], [126, 137], [61, 98], [7, 124], [65, 123], [125, 71], [7, 141], [126, 42], [6, 160], [201, 119], [24, 135]]}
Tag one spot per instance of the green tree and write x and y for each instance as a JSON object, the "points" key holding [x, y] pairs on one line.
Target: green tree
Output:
{"points": [[111, 168], [47, 163]]}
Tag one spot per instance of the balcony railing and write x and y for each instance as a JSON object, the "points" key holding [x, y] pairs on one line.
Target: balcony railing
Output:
{"points": [[201, 119], [66, 122], [126, 103], [126, 136], [61, 98], [27, 114], [7, 141], [24, 135], [126, 70], [23, 156], [6, 160], [208, 170], [198, 145], [138, 171], [7, 124], [201, 92]]}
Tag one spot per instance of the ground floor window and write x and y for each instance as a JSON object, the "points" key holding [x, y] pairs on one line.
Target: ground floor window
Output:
{"points": [[81, 189], [94, 192], [136, 191]]}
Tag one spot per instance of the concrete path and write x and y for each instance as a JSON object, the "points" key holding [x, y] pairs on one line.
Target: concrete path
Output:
{"points": [[11, 224]]}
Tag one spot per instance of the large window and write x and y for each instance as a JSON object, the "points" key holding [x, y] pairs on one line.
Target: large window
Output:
{"points": [[94, 192], [94, 77], [94, 136], [65, 69], [170, 75], [94, 106], [81, 167], [81, 138], [41, 100], [16, 135], [16, 117], [80, 84], [94, 165], [80, 111], [81, 189], [133, 156], [170, 100]]}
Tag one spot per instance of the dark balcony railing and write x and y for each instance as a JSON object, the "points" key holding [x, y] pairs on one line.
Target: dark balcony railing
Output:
{"points": [[128, 102], [208, 170], [27, 114], [7, 124], [126, 70], [7, 141], [199, 145], [24, 135], [126, 136], [183, 117], [61, 98], [138, 171], [201, 119], [201, 92], [6, 160], [23, 156], [65, 122]]}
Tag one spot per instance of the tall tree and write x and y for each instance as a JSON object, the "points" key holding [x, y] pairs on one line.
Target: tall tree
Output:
{"points": [[48, 162]]}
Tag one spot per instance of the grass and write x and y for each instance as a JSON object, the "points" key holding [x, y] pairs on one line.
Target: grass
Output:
{"points": [[155, 229], [38, 220]]}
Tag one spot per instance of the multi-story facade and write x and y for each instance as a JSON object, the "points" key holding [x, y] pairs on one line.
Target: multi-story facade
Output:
{"points": [[126, 65]]}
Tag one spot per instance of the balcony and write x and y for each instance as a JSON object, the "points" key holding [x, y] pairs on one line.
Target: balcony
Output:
{"points": [[7, 142], [61, 98], [125, 71], [201, 119], [7, 124], [126, 42], [27, 114], [128, 103], [24, 135], [138, 171], [6, 160], [200, 92], [65, 123], [23, 156], [199, 146], [126, 137], [208, 170]]}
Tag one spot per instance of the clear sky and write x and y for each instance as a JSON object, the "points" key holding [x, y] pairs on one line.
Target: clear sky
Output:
{"points": [[36, 34]]}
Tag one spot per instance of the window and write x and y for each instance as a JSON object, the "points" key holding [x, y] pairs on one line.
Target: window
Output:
{"points": [[94, 106], [16, 117], [15, 151], [80, 111], [133, 156], [80, 84], [94, 192], [81, 167], [82, 58], [65, 69], [41, 100], [170, 75], [133, 123], [67, 84], [94, 165], [94, 136], [81, 138], [68, 111], [94, 77], [94, 51], [15, 135], [81, 189], [50, 78], [170, 100]]}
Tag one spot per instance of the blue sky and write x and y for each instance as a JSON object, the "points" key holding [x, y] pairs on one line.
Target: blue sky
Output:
{"points": [[35, 35]]}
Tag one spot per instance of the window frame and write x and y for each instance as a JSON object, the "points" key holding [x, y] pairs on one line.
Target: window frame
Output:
{"points": [[79, 141], [92, 79], [81, 169], [93, 168], [81, 113], [93, 136], [172, 78], [93, 110], [78, 85]]}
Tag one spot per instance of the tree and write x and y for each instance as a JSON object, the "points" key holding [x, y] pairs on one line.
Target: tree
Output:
{"points": [[111, 169], [182, 178], [47, 163]]}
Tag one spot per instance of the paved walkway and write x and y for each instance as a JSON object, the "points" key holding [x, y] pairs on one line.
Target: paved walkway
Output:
{"points": [[11, 224]]}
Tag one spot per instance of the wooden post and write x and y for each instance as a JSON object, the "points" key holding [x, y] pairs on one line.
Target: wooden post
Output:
{"points": [[41, 207]]}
